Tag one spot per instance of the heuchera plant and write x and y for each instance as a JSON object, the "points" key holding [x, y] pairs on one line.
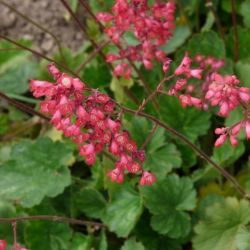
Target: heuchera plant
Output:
{"points": [[91, 118], [95, 123]]}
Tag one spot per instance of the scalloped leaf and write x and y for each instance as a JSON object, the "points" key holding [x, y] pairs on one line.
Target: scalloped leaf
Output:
{"points": [[168, 201], [132, 244], [37, 169], [91, 202], [224, 226], [123, 211]]}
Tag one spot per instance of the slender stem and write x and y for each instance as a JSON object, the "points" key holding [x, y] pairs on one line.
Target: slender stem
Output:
{"points": [[40, 55], [14, 226], [152, 95], [235, 30], [202, 154], [23, 107], [149, 137], [38, 26], [50, 218], [86, 7], [91, 56], [131, 95], [81, 26], [210, 6]]}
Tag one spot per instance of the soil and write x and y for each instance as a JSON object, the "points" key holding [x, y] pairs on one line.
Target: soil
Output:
{"points": [[50, 14]]}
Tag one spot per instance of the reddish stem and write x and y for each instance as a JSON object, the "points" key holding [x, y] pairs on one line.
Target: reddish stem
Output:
{"points": [[55, 218]]}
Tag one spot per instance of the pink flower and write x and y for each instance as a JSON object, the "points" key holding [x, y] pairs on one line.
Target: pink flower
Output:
{"points": [[233, 140], [116, 175], [184, 67], [220, 140], [134, 167], [147, 179], [224, 92], [196, 73], [166, 65], [54, 71], [248, 129], [104, 17], [3, 244]]}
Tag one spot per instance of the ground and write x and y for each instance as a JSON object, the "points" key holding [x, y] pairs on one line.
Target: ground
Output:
{"points": [[50, 14]]}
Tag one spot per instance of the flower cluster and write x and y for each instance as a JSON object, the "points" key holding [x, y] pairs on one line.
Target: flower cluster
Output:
{"points": [[89, 118], [232, 132], [151, 25], [213, 89], [189, 71], [226, 93]]}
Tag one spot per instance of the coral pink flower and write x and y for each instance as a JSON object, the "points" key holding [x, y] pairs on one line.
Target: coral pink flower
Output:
{"points": [[3, 244], [116, 175], [225, 92], [147, 179], [151, 25], [89, 120]]}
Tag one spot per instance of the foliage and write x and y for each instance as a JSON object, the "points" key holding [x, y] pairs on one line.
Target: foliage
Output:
{"points": [[190, 206]]}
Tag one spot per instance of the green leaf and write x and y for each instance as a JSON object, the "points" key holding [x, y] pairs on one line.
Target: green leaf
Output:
{"points": [[42, 235], [36, 169], [208, 44], [7, 210], [189, 5], [162, 156], [145, 234], [132, 244], [245, 12], [123, 211], [118, 85], [227, 5], [243, 239], [180, 35], [209, 22], [10, 52], [5, 150], [4, 123], [139, 129], [15, 79], [73, 5], [243, 43], [168, 200], [91, 202], [224, 226], [97, 73], [163, 160], [81, 242], [227, 154], [188, 121], [101, 5], [242, 69], [188, 156], [103, 245]]}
